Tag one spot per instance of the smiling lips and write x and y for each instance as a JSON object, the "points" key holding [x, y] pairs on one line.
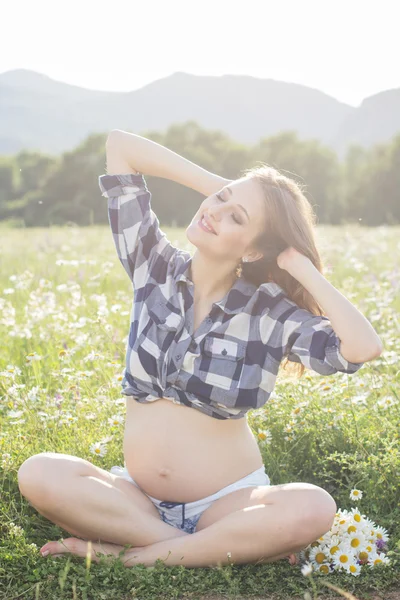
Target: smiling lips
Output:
{"points": [[206, 226]]}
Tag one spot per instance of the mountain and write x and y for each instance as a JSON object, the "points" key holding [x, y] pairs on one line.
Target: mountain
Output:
{"points": [[37, 112]]}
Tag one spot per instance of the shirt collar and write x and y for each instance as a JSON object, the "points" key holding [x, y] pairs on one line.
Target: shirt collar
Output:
{"points": [[235, 299]]}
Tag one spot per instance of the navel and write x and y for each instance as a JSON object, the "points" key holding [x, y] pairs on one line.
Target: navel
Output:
{"points": [[165, 472]]}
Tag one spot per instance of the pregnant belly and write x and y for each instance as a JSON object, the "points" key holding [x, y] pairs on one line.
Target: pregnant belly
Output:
{"points": [[179, 454]]}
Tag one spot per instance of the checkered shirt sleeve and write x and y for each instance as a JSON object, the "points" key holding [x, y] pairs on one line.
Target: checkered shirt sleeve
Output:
{"points": [[135, 227], [310, 339]]}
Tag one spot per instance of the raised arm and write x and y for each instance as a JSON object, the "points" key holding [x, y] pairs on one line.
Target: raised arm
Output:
{"points": [[150, 158], [359, 341]]}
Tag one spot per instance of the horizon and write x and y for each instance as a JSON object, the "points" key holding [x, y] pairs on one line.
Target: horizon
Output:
{"points": [[198, 75], [345, 50]]}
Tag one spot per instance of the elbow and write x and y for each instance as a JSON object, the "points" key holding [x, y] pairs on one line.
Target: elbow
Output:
{"points": [[368, 353], [379, 348], [375, 351], [112, 135]]}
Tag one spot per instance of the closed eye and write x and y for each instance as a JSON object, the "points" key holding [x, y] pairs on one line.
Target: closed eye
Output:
{"points": [[233, 214]]}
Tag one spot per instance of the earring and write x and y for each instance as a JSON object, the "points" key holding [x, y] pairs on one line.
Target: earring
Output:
{"points": [[244, 259]]}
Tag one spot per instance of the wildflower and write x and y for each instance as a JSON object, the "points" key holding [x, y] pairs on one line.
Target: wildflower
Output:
{"points": [[387, 402], [120, 401], [68, 419], [356, 494], [92, 356], [265, 436], [5, 460], [15, 530], [306, 569], [343, 556], [116, 420], [377, 559], [116, 308], [98, 448], [33, 357], [320, 554], [353, 541], [11, 372], [14, 414]]}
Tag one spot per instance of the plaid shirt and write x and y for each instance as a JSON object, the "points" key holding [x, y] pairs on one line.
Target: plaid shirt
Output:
{"points": [[229, 365]]}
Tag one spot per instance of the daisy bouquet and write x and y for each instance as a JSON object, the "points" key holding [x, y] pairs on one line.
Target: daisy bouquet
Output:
{"points": [[352, 542]]}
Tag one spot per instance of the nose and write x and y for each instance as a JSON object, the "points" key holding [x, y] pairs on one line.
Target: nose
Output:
{"points": [[215, 212]]}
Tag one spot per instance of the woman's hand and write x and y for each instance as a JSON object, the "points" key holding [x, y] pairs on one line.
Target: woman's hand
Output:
{"points": [[359, 342], [292, 261]]}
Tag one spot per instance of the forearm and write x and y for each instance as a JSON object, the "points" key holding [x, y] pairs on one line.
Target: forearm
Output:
{"points": [[359, 340], [151, 158]]}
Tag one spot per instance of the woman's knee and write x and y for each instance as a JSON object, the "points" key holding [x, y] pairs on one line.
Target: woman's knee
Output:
{"points": [[321, 508], [312, 508], [40, 474]]}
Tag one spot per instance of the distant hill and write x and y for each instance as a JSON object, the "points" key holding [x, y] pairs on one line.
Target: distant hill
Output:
{"points": [[37, 112]]}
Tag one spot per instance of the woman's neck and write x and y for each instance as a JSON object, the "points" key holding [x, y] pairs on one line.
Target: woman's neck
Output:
{"points": [[211, 281]]}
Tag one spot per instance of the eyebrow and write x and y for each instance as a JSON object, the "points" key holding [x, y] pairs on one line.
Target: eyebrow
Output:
{"points": [[242, 207]]}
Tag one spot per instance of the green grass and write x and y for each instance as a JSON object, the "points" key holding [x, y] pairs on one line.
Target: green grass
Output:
{"points": [[335, 431]]}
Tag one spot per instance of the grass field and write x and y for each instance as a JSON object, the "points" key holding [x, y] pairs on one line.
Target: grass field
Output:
{"points": [[64, 312]]}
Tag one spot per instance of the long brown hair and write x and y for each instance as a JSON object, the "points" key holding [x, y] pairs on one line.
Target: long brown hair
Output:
{"points": [[290, 221]]}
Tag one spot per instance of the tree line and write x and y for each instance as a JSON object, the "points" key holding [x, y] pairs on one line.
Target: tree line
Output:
{"points": [[37, 189]]}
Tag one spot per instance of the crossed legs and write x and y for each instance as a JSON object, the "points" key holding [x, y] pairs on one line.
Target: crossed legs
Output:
{"points": [[96, 505]]}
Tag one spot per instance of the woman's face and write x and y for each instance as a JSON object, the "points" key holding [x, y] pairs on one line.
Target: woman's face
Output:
{"points": [[236, 214]]}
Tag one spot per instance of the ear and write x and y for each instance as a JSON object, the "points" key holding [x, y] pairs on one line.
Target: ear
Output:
{"points": [[253, 256]]}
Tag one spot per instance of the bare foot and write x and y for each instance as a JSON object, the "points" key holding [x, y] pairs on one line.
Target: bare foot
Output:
{"points": [[294, 559], [79, 547]]}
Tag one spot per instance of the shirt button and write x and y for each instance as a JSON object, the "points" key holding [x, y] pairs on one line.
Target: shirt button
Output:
{"points": [[178, 356], [209, 320]]}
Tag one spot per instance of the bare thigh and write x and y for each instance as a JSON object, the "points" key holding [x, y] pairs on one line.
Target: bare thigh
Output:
{"points": [[42, 478]]}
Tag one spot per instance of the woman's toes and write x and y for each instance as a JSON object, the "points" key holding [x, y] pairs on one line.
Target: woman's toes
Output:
{"points": [[80, 548], [67, 545]]}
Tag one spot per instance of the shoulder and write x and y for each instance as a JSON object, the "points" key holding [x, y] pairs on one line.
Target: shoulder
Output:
{"points": [[272, 297]]}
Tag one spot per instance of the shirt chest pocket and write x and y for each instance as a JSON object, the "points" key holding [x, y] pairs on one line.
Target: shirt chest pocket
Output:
{"points": [[222, 362]]}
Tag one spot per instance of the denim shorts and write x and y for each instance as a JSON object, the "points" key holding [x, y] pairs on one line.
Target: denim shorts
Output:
{"points": [[185, 515]]}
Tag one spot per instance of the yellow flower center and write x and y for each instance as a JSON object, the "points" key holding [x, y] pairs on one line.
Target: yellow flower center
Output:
{"points": [[351, 528], [324, 569]]}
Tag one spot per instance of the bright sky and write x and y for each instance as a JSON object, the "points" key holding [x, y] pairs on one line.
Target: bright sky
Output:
{"points": [[346, 48]]}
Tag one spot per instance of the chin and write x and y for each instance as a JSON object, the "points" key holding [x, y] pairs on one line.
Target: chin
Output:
{"points": [[191, 234]]}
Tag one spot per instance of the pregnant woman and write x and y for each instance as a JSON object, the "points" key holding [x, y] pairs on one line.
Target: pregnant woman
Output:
{"points": [[207, 336]]}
